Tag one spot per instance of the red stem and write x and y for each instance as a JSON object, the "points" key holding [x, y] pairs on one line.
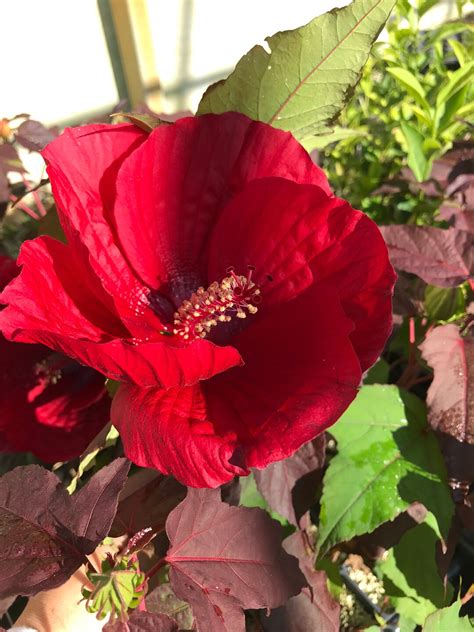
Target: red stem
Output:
{"points": [[24, 207], [154, 569]]}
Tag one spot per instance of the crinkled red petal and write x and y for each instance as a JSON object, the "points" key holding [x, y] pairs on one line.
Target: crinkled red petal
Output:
{"points": [[177, 183], [168, 430]]}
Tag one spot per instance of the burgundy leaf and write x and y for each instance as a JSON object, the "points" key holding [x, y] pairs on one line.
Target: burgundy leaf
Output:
{"points": [[146, 500], [34, 135], [10, 160], [289, 486], [440, 257], [4, 190], [224, 559], [95, 505], [451, 395], [313, 608], [143, 622], [163, 600], [45, 534]]}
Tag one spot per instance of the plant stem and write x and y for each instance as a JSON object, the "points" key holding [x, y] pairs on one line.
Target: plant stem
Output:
{"points": [[154, 569]]}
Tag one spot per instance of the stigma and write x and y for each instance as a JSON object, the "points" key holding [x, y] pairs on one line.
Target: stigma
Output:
{"points": [[236, 296]]}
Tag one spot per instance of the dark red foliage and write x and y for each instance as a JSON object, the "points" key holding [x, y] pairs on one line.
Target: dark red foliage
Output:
{"points": [[143, 622], [34, 135], [150, 219], [49, 404], [314, 608], [451, 396], [438, 256], [146, 501], [224, 559], [289, 486], [45, 534]]}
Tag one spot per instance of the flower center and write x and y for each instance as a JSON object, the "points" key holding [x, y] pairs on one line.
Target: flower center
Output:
{"points": [[235, 296]]}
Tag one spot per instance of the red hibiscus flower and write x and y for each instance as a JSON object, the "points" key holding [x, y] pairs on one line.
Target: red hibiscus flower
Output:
{"points": [[211, 271], [49, 405]]}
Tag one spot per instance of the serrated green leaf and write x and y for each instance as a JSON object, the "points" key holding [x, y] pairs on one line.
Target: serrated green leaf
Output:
{"points": [[410, 573], [447, 619], [303, 83], [387, 458], [411, 84]]}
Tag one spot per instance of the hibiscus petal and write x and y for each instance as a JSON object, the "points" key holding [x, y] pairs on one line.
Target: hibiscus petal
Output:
{"points": [[186, 174], [55, 421], [82, 166], [168, 430], [152, 364], [38, 296], [300, 374], [278, 227], [298, 234], [357, 264], [42, 311]]}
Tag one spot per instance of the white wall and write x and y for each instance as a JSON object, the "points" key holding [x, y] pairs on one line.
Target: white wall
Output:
{"points": [[201, 40], [55, 63], [54, 59]]}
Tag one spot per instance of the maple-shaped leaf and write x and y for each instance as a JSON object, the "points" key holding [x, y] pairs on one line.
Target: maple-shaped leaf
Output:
{"points": [[224, 559], [45, 534], [146, 501], [439, 257], [10, 160], [34, 135], [451, 395], [143, 622], [289, 486], [313, 608]]}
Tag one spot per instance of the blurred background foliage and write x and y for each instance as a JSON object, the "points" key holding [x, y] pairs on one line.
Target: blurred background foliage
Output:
{"points": [[409, 122]]}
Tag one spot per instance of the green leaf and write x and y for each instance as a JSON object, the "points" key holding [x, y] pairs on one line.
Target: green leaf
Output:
{"points": [[457, 80], [444, 303], [302, 84], [410, 573], [251, 497], [88, 458], [425, 6], [448, 619], [323, 140], [378, 374], [459, 50], [411, 84], [445, 114], [146, 122], [116, 589], [416, 158], [387, 458]]}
